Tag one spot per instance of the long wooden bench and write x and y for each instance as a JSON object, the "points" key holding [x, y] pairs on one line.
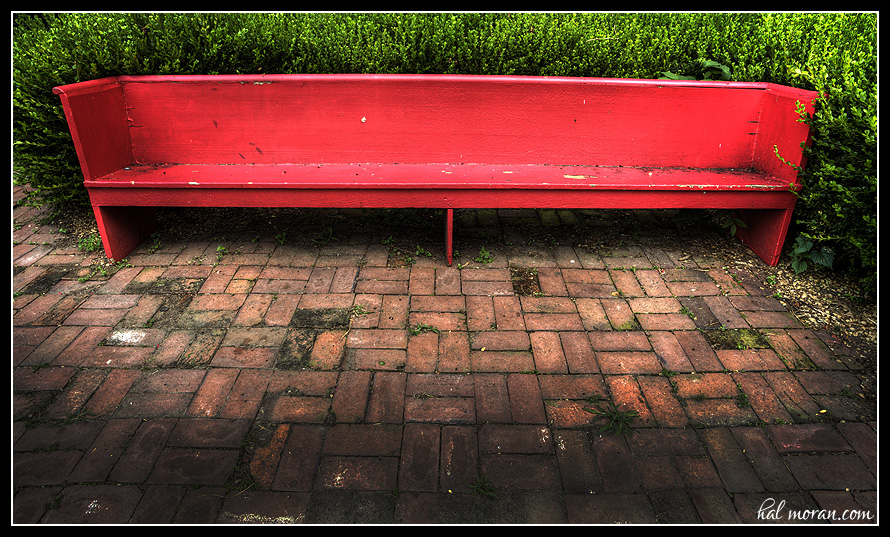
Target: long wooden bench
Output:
{"points": [[436, 141]]}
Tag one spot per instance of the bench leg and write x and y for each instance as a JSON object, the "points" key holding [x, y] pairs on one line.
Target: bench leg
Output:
{"points": [[449, 235], [124, 228], [765, 232]]}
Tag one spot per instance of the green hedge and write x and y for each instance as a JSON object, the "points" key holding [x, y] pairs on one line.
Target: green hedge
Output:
{"points": [[833, 53]]}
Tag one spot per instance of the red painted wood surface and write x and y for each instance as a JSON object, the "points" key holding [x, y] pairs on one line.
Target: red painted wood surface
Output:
{"points": [[446, 141]]}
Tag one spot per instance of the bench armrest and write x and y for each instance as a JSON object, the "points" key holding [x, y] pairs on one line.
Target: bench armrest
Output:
{"points": [[97, 118], [781, 130]]}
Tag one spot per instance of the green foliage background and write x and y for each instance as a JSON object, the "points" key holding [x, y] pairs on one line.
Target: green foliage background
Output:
{"points": [[834, 53]]}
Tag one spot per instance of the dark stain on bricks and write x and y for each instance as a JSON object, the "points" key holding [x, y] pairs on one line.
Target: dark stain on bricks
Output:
{"points": [[525, 281], [321, 318], [306, 324], [741, 338], [296, 350], [43, 283], [165, 286]]}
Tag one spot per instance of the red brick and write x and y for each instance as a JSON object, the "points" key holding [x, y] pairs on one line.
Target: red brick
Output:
{"points": [[480, 313], [652, 283], [48, 342], [665, 321], [169, 381], [76, 393], [448, 281], [143, 449], [593, 316], [616, 465], [449, 410], [377, 339], [668, 348], [814, 348], [218, 279], [440, 385], [446, 303], [211, 395], [728, 315], [626, 283], [394, 312], [265, 459], [693, 288], [577, 463], [771, 319], [43, 468], [217, 301], [789, 391], [501, 361], [443, 321], [194, 466], [44, 378], [698, 351], [363, 440], [526, 404], [382, 287], [239, 357], [380, 359], [730, 461], [253, 310], [102, 455], [485, 275], [667, 411], [422, 281], [719, 412], [508, 313], [317, 383], [281, 310], [459, 455], [708, 385], [419, 469], [298, 409], [299, 458], [551, 282], [152, 405], [750, 359], [454, 352], [620, 316], [204, 433], [578, 352], [625, 340], [628, 362], [351, 396], [246, 395], [387, 401], [763, 400], [512, 438], [358, 473], [486, 288], [95, 317], [422, 355], [492, 398], [501, 341], [521, 472], [112, 391], [548, 353], [627, 396], [327, 352]]}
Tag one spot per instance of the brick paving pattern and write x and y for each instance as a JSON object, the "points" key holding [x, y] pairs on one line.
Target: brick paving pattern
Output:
{"points": [[284, 384]]}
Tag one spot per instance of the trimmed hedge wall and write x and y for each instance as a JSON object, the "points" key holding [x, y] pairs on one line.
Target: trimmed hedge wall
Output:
{"points": [[834, 53]]}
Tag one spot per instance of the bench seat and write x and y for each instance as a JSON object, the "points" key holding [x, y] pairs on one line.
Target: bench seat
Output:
{"points": [[436, 141]]}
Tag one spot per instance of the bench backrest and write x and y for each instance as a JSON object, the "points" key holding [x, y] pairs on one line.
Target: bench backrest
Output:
{"points": [[272, 119]]}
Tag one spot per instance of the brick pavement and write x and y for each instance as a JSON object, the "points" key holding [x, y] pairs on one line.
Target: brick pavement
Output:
{"points": [[325, 383]]}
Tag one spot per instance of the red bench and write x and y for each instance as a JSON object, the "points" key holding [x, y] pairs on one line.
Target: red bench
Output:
{"points": [[436, 141]]}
